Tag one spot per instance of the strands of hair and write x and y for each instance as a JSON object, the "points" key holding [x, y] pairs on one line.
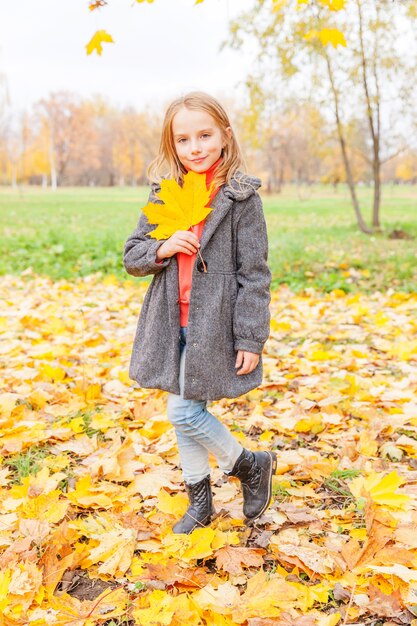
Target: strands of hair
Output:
{"points": [[167, 165]]}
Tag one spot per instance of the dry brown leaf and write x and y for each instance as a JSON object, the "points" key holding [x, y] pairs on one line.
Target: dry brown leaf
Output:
{"points": [[232, 559]]}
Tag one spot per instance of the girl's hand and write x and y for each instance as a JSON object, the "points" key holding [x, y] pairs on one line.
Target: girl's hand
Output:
{"points": [[181, 241], [248, 360]]}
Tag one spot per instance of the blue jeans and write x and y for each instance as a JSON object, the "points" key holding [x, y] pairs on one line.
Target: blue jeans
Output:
{"points": [[198, 431]]}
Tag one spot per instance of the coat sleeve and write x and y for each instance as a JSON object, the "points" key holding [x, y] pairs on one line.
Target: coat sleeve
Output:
{"points": [[251, 318], [139, 256]]}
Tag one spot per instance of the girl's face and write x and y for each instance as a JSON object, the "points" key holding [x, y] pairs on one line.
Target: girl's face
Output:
{"points": [[198, 139]]}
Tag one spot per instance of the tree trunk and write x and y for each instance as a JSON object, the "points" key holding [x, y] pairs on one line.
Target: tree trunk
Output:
{"points": [[349, 177], [14, 176], [377, 193], [54, 178], [374, 126], [281, 175]]}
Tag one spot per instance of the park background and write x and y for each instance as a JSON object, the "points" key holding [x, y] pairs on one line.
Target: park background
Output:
{"points": [[322, 97]]}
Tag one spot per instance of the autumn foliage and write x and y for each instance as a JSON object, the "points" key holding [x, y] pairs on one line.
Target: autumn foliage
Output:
{"points": [[182, 207], [90, 483]]}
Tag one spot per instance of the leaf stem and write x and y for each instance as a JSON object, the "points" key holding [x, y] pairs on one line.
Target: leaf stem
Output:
{"points": [[202, 260]]}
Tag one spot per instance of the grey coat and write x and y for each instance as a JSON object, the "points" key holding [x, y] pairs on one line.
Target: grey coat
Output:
{"points": [[229, 304]]}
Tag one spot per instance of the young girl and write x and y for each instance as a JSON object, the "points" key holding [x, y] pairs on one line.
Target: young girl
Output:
{"points": [[205, 317]]}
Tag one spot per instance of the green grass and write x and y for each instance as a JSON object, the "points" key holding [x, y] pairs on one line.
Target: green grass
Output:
{"points": [[313, 241], [27, 462]]}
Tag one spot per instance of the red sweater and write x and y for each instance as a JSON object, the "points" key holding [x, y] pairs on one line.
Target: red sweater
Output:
{"points": [[186, 261]]}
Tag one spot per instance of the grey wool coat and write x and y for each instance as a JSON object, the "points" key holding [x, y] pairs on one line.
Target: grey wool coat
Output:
{"points": [[229, 304]]}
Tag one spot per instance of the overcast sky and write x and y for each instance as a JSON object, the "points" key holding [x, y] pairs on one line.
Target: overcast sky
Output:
{"points": [[161, 50]]}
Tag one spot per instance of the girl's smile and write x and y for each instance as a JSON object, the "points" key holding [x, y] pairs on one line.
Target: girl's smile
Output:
{"points": [[198, 140]]}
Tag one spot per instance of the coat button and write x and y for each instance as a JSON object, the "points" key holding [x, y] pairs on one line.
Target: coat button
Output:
{"points": [[193, 380], [195, 345]]}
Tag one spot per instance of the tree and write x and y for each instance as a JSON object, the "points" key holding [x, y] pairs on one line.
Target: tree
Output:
{"points": [[66, 124], [127, 149], [306, 51], [102, 36]]}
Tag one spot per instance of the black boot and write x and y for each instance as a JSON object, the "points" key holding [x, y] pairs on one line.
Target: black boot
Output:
{"points": [[200, 509], [255, 471]]}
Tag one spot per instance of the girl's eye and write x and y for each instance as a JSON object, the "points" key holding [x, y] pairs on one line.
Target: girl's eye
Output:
{"points": [[181, 140], [206, 135]]}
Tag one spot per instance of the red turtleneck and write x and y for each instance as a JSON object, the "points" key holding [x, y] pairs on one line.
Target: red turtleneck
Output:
{"points": [[186, 261]]}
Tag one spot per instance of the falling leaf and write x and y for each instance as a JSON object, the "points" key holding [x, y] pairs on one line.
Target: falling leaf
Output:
{"points": [[101, 36]]}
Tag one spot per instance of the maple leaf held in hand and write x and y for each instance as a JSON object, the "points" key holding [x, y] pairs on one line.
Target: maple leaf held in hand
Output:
{"points": [[183, 206]]}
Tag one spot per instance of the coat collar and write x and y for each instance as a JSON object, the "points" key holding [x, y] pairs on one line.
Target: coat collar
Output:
{"points": [[221, 205], [241, 187]]}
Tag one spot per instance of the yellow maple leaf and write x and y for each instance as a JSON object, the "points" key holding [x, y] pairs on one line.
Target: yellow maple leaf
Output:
{"points": [[25, 582], [5, 578], [265, 597], [173, 505], [7, 403], [368, 445], [96, 40], [196, 545], [381, 489], [87, 495], [110, 544], [55, 374], [183, 206], [46, 507], [162, 608]]}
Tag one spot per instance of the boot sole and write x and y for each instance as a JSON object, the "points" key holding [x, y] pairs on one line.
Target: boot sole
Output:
{"points": [[272, 471]]}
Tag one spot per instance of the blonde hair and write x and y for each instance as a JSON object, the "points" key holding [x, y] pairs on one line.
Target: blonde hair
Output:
{"points": [[167, 165]]}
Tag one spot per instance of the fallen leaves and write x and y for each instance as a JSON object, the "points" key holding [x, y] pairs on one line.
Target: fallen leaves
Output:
{"points": [[232, 559], [382, 489], [90, 479]]}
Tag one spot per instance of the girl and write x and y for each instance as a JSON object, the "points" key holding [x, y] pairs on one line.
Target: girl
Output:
{"points": [[205, 317]]}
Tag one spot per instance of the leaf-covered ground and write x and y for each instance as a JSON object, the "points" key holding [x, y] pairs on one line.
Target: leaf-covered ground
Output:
{"points": [[90, 484]]}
